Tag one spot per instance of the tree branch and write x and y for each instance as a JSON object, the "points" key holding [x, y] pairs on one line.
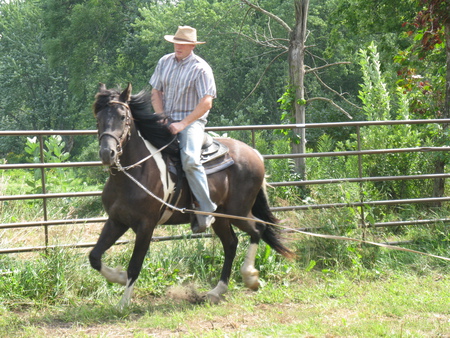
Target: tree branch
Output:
{"points": [[327, 65], [332, 103], [270, 15], [267, 42], [260, 79], [341, 95]]}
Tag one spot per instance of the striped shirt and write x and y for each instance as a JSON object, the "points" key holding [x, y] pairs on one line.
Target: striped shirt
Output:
{"points": [[183, 83]]}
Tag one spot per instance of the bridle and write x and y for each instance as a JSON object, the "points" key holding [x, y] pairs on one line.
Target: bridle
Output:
{"points": [[126, 131]]}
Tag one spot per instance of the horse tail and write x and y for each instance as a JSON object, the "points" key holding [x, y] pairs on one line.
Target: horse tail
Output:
{"points": [[271, 233]]}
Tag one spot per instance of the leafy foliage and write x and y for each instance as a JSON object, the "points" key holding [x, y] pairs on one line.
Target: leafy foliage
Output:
{"points": [[379, 104], [420, 71], [58, 179]]}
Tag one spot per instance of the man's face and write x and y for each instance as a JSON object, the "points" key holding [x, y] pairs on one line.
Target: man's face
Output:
{"points": [[182, 50]]}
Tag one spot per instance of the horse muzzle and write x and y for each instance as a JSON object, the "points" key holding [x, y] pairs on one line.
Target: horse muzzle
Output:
{"points": [[108, 156], [110, 150]]}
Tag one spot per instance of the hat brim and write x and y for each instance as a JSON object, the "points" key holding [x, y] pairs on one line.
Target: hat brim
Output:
{"points": [[171, 38]]}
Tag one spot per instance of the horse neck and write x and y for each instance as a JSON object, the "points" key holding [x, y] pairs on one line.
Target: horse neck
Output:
{"points": [[134, 150]]}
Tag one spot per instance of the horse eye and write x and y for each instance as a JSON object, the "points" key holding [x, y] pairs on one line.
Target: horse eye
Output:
{"points": [[122, 117]]}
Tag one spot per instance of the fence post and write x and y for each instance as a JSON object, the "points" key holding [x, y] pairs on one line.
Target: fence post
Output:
{"points": [[361, 184], [44, 190]]}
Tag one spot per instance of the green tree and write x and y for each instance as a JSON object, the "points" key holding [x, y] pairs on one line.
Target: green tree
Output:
{"points": [[237, 64], [53, 53], [30, 88], [379, 103], [33, 95], [296, 95], [83, 38], [422, 72], [356, 23]]}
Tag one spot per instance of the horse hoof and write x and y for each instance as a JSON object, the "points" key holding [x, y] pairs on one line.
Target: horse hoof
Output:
{"points": [[116, 275], [216, 295], [254, 286], [251, 280], [213, 297]]}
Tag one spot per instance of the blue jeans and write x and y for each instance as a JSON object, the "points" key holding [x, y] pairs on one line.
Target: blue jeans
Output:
{"points": [[191, 141]]}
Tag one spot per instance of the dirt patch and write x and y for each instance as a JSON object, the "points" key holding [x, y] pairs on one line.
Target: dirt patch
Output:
{"points": [[186, 293]]}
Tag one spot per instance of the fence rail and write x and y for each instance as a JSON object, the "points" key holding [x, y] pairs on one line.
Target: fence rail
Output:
{"points": [[46, 222]]}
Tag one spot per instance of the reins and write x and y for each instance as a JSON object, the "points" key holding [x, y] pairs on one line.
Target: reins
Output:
{"points": [[120, 168]]}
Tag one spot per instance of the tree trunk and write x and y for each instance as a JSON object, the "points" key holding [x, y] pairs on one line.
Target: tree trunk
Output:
{"points": [[296, 78], [439, 183]]}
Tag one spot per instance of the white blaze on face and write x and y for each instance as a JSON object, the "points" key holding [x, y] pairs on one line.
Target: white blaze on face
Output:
{"points": [[167, 182]]}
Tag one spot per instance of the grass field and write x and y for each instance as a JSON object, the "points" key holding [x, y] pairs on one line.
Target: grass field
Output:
{"points": [[59, 295], [312, 306], [333, 289]]}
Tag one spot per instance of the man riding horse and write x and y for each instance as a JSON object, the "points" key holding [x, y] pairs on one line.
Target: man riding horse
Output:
{"points": [[183, 90]]}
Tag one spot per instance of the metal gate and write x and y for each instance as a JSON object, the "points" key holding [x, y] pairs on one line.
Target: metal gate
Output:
{"points": [[45, 220]]}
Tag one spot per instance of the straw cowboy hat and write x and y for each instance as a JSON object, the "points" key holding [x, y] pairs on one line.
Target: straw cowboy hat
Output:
{"points": [[185, 35]]}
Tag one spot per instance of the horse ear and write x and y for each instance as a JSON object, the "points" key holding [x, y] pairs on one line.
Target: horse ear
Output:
{"points": [[101, 87], [126, 94]]}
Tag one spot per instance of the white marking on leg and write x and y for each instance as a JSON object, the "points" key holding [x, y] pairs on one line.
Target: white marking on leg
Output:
{"points": [[116, 275], [249, 274], [126, 298], [215, 295]]}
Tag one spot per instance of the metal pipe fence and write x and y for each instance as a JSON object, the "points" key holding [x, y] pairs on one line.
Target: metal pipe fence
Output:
{"points": [[45, 220]]}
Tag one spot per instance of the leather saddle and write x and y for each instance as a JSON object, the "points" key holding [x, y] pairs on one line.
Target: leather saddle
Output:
{"points": [[214, 158], [212, 150]]}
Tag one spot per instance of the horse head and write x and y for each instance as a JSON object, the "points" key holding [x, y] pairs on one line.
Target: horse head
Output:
{"points": [[114, 121]]}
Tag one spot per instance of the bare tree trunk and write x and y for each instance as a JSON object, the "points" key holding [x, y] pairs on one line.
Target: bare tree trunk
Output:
{"points": [[296, 77], [296, 61], [439, 183]]}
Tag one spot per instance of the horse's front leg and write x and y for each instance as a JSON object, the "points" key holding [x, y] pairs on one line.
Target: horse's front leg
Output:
{"points": [[229, 240], [143, 237], [111, 232]]}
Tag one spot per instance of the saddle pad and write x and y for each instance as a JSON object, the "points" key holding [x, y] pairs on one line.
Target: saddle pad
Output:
{"points": [[213, 168], [214, 151]]}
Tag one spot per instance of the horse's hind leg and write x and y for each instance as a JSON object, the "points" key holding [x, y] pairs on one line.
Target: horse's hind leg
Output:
{"points": [[111, 232], [250, 275], [229, 241]]}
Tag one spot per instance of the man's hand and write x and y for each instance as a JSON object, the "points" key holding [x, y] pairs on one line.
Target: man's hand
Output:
{"points": [[176, 127]]}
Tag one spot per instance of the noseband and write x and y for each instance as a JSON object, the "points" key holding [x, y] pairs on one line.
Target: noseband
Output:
{"points": [[126, 131]]}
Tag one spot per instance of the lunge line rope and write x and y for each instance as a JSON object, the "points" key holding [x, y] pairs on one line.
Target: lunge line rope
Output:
{"points": [[198, 212]]}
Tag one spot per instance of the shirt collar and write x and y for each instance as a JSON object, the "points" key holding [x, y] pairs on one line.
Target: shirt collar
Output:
{"points": [[186, 59]]}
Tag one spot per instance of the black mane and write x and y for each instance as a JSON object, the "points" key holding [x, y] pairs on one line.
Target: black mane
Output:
{"points": [[151, 126]]}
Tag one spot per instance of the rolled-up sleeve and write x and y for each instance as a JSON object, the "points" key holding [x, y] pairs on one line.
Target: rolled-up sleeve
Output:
{"points": [[206, 84], [156, 80]]}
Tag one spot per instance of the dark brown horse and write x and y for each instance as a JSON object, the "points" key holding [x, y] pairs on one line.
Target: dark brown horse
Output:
{"points": [[238, 190]]}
